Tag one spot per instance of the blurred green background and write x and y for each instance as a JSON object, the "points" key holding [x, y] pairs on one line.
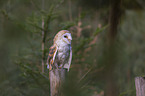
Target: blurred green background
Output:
{"points": [[95, 66]]}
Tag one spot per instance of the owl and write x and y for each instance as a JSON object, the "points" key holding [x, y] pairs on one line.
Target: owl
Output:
{"points": [[60, 53]]}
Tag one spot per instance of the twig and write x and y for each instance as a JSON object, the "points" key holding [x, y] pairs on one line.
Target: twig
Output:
{"points": [[43, 42], [35, 5], [85, 74], [59, 4], [70, 12], [141, 3]]}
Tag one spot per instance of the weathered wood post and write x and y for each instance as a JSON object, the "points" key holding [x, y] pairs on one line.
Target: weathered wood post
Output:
{"points": [[140, 86], [57, 78]]}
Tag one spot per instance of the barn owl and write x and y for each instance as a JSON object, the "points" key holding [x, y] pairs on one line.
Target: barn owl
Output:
{"points": [[60, 53]]}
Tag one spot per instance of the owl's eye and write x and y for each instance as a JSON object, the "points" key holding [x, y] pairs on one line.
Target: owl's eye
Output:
{"points": [[65, 36]]}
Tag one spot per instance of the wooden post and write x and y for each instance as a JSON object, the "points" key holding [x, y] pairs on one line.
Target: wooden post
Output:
{"points": [[140, 86], [57, 78]]}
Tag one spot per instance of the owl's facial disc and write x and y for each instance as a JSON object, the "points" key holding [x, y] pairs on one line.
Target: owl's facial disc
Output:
{"points": [[67, 38]]}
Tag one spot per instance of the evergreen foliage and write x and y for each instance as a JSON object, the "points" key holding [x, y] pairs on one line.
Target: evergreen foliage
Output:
{"points": [[21, 40]]}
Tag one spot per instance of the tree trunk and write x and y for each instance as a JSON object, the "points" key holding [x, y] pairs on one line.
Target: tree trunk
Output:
{"points": [[57, 78], [140, 86], [111, 50]]}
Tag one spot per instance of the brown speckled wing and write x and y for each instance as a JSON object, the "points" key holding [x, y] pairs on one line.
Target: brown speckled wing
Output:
{"points": [[51, 56]]}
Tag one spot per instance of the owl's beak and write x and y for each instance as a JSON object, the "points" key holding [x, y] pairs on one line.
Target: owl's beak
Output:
{"points": [[69, 38]]}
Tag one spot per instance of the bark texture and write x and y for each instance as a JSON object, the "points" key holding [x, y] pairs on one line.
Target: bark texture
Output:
{"points": [[140, 86], [57, 78]]}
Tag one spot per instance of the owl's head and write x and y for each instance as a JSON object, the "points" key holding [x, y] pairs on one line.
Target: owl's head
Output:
{"points": [[63, 36]]}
